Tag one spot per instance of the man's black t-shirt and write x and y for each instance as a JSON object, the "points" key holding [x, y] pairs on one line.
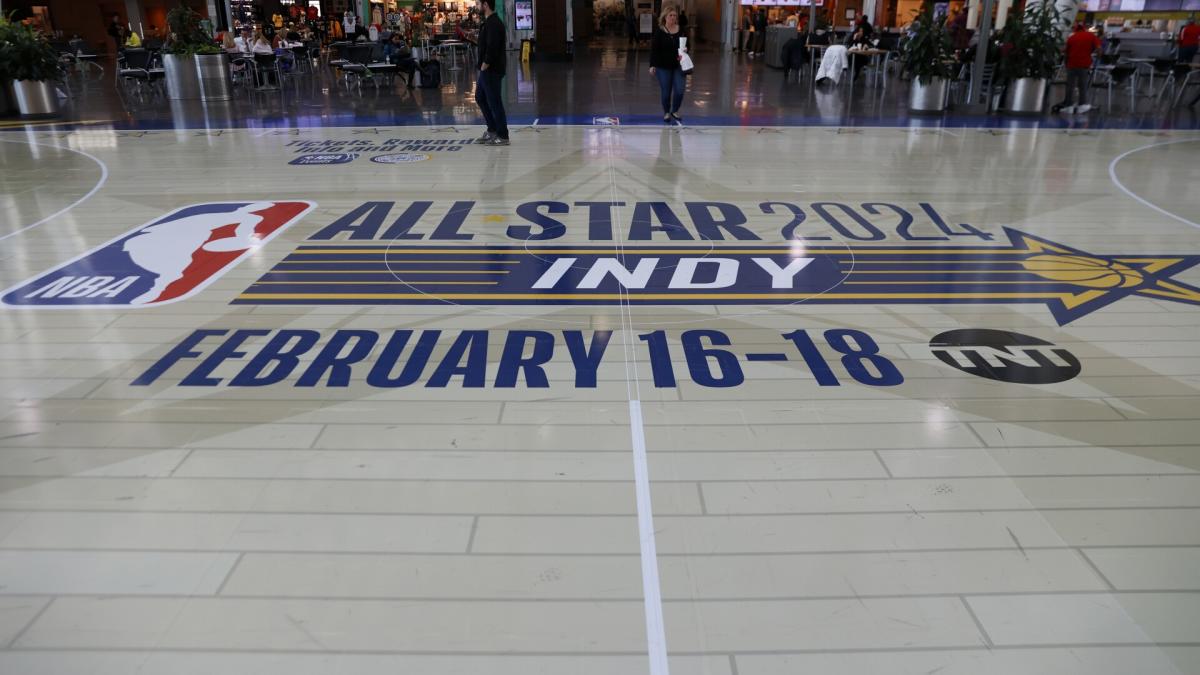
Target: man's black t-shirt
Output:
{"points": [[492, 45]]}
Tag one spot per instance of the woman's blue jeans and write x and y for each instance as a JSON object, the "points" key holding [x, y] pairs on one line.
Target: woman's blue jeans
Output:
{"points": [[671, 83]]}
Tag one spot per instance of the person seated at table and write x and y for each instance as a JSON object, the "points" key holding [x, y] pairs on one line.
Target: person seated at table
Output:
{"points": [[862, 34], [397, 52], [260, 44], [133, 41], [860, 39], [243, 41], [229, 43]]}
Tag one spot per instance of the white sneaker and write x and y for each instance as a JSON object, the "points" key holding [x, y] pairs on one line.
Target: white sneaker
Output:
{"points": [[1080, 109], [1067, 110]]}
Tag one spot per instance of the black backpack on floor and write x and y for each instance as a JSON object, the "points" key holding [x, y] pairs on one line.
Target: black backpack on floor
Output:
{"points": [[431, 74]]}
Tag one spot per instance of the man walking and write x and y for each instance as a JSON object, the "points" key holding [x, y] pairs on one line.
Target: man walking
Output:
{"points": [[117, 32], [760, 33], [488, 91], [1080, 47]]}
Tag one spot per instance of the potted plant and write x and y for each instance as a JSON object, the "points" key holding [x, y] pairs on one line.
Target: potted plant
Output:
{"points": [[927, 57], [27, 59], [190, 55], [6, 103], [1031, 50]]}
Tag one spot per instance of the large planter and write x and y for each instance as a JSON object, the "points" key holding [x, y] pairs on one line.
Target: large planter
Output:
{"points": [[180, 73], [35, 98], [7, 105], [212, 70], [1026, 96], [929, 97]]}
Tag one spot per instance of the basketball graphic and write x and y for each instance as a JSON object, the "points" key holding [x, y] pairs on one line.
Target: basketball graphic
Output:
{"points": [[1084, 271]]}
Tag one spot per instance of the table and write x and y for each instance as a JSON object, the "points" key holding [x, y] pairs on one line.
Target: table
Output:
{"points": [[453, 46], [384, 69], [871, 53]]}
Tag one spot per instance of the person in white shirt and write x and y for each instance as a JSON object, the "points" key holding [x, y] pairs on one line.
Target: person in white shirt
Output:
{"points": [[261, 44], [242, 41]]}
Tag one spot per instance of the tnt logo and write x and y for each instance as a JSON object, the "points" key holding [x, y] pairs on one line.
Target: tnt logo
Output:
{"points": [[1004, 356], [168, 259]]}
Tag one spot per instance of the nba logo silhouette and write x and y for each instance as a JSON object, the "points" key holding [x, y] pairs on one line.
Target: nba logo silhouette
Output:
{"points": [[168, 259]]}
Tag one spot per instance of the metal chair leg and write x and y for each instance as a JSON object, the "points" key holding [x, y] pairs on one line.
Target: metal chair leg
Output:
{"points": [[1182, 88]]}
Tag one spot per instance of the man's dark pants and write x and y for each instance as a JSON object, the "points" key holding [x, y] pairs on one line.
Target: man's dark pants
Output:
{"points": [[489, 97]]}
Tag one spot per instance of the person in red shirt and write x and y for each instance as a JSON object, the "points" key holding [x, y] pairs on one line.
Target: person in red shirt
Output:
{"points": [[1189, 40], [1080, 47]]}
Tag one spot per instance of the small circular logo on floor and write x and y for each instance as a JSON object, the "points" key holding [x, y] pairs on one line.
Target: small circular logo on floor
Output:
{"points": [[1004, 356], [400, 158]]}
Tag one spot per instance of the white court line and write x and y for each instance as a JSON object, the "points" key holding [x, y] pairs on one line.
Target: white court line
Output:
{"points": [[656, 637], [1112, 174], [52, 216]]}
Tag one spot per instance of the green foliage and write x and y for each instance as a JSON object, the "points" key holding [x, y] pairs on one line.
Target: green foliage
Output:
{"points": [[187, 36], [1033, 44], [5, 28], [26, 54], [927, 53]]}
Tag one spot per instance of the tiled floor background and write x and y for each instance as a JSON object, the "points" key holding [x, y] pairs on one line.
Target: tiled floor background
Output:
{"points": [[947, 525]]}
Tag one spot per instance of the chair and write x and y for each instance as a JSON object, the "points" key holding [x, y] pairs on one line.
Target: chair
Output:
{"points": [[157, 72], [342, 50], [267, 63], [287, 65], [1160, 67], [357, 58], [960, 84], [342, 58], [133, 65], [1187, 79], [1116, 76], [986, 90], [891, 43], [301, 60], [243, 70], [1176, 73]]}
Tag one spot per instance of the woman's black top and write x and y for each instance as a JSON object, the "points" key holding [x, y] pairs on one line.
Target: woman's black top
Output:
{"points": [[664, 49]]}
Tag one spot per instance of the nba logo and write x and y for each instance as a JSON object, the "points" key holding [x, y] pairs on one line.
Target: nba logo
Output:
{"points": [[168, 259]]}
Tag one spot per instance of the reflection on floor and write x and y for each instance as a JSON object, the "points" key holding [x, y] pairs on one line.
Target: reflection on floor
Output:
{"points": [[605, 80], [752, 400]]}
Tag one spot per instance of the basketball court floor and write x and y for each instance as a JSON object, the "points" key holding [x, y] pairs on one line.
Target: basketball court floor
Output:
{"points": [[615, 399]]}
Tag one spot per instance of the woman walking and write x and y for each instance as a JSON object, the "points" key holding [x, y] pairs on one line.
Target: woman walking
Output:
{"points": [[664, 62]]}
